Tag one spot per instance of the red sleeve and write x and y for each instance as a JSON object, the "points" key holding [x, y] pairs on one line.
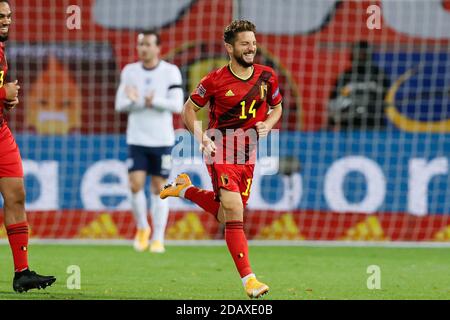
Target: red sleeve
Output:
{"points": [[205, 89], [2, 93], [274, 96]]}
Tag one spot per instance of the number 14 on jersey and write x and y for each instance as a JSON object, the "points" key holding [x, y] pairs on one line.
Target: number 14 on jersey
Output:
{"points": [[251, 110]]}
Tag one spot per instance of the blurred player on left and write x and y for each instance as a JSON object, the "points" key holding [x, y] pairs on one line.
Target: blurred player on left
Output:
{"points": [[11, 175]]}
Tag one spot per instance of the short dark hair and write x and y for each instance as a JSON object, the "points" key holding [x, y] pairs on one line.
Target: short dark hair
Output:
{"points": [[152, 32], [236, 26]]}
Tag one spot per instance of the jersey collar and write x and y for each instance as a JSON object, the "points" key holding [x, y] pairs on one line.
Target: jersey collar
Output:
{"points": [[240, 78], [150, 69]]}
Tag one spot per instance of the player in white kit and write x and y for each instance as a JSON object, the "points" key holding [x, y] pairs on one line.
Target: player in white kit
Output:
{"points": [[150, 91]]}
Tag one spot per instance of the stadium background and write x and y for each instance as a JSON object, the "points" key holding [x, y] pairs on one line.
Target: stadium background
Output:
{"points": [[359, 184]]}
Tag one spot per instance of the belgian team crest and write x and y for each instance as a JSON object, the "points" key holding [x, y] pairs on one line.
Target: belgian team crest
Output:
{"points": [[224, 179], [263, 90]]}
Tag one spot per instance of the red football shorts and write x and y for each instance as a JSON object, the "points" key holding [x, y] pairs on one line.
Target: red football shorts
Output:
{"points": [[232, 177], [10, 160]]}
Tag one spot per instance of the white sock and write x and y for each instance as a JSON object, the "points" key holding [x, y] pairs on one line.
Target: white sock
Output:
{"points": [[139, 208], [183, 192], [244, 279], [160, 214]]}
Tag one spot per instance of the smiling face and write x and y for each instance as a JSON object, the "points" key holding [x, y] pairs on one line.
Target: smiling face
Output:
{"points": [[240, 42], [5, 20], [244, 48]]}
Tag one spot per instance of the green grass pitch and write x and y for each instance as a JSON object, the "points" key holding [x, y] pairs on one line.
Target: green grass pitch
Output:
{"points": [[207, 272]]}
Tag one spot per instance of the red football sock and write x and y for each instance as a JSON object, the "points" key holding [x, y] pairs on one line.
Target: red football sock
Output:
{"points": [[238, 247], [18, 241], [204, 199]]}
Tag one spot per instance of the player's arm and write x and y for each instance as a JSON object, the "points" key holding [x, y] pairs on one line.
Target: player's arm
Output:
{"points": [[197, 100], [9, 94], [274, 100], [11, 104], [264, 127], [189, 116], [127, 96], [173, 103], [174, 100]]}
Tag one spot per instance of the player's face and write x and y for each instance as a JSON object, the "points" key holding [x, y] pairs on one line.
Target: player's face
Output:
{"points": [[147, 47], [5, 21], [244, 48]]}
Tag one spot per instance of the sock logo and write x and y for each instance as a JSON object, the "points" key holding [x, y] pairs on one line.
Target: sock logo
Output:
{"points": [[240, 255], [23, 248]]}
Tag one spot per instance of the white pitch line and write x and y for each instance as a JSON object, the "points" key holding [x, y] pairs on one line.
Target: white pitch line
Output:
{"points": [[284, 243]]}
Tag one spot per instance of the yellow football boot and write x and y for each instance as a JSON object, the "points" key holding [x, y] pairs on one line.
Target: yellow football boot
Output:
{"points": [[141, 239], [255, 289], [157, 247], [173, 189]]}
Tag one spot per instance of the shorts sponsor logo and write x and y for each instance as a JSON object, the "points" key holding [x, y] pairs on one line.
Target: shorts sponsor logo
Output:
{"points": [[129, 163]]}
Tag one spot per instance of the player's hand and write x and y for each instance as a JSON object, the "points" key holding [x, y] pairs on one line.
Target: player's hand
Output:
{"points": [[12, 90], [262, 128], [208, 147], [10, 104], [149, 99], [132, 93]]}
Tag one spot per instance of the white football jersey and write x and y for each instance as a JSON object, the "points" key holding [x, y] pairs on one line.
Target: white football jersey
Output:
{"points": [[151, 127]]}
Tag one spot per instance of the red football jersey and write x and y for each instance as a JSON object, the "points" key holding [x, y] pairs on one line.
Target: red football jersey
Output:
{"points": [[3, 71], [237, 103]]}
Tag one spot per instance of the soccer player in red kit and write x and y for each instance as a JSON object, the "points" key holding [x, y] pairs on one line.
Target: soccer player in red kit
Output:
{"points": [[11, 175], [244, 105]]}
